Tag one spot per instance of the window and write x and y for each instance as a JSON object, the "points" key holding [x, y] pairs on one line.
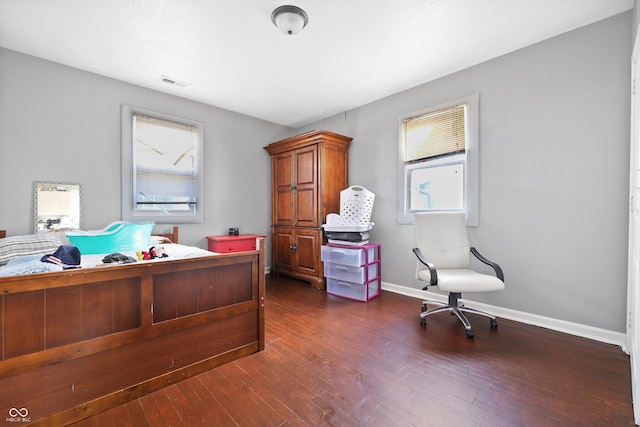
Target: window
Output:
{"points": [[161, 167], [438, 158]]}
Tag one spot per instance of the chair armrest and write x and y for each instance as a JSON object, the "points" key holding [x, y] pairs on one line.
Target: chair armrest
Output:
{"points": [[430, 266], [492, 264]]}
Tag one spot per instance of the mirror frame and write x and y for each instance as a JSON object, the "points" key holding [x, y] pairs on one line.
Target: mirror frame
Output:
{"points": [[36, 187]]}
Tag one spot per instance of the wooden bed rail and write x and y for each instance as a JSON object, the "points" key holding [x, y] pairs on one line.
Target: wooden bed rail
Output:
{"points": [[78, 342]]}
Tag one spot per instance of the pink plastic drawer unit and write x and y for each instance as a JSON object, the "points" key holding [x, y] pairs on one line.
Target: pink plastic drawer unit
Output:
{"points": [[355, 291], [352, 271], [350, 255]]}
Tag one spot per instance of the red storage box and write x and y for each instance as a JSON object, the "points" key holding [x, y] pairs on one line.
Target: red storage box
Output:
{"points": [[240, 243]]}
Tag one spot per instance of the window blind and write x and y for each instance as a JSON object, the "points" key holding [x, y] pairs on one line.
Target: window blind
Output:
{"points": [[435, 134], [165, 163]]}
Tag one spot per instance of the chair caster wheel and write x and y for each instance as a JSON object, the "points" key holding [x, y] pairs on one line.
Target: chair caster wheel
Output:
{"points": [[424, 307], [494, 324], [469, 333], [423, 321]]}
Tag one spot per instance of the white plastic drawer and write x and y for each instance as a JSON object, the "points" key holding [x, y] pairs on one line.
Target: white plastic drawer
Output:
{"points": [[354, 291], [350, 273], [348, 256]]}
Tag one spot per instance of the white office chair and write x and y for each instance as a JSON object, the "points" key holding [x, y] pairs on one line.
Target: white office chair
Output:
{"points": [[444, 260]]}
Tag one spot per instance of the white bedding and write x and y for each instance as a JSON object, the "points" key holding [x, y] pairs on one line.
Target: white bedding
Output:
{"points": [[173, 251], [32, 264]]}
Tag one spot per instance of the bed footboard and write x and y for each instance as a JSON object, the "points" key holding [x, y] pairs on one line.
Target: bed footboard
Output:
{"points": [[76, 343]]}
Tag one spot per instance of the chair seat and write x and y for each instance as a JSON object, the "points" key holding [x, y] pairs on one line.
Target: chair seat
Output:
{"points": [[463, 280]]}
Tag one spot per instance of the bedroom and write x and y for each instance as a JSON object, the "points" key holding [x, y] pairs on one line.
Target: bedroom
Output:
{"points": [[550, 221]]}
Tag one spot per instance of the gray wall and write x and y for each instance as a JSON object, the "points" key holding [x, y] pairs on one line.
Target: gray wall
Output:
{"points": [[554, 165], [636, 16], [61, 124], [554, 141]]}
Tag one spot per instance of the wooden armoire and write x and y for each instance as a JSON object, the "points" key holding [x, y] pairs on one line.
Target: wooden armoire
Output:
{"points": [[308, 172]]}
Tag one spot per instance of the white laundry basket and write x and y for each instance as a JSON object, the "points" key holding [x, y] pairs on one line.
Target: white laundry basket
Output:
{"points": [[356, 204]]}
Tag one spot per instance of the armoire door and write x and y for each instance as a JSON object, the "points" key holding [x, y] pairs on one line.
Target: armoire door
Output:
{"points": [[283, 191], [306, 187], [295, 192], [308, 243], [283, 255], [297, 250]]}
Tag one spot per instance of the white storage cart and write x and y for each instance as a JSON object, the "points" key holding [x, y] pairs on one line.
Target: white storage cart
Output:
{"points": [[352, 271]]}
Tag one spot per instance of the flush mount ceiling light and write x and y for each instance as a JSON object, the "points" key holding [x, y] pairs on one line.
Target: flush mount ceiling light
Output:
{"points": [[289, 19]]}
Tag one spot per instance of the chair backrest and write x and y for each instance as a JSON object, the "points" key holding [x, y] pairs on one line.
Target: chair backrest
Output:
{"points": [[442, 239]]}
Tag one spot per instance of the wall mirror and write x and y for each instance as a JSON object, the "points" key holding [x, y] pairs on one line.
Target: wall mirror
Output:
{"points": [[56, 206]]}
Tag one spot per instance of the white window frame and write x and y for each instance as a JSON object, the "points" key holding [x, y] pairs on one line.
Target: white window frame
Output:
{"points": [[129, 211], [470, 159]]}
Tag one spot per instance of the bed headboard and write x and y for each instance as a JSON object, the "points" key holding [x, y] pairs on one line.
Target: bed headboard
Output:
{"points": [[3, 233], [171, 236]]}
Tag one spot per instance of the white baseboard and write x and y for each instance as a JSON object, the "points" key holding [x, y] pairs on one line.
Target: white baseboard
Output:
{"points": [[597, 334]]}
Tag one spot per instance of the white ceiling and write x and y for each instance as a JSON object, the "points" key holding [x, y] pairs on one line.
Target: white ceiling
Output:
{"points": [[231, 56]]}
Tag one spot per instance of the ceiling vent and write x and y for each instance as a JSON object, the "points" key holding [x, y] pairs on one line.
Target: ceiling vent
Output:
{"points": [[173, 82]]}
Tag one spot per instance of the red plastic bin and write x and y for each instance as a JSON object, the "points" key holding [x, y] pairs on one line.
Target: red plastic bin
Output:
{"points": [[240, 243]]}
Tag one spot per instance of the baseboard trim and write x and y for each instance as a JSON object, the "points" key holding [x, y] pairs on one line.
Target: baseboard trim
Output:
{"points": [[597, 334]]}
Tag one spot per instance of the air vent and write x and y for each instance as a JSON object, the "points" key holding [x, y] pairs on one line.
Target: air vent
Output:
{"points": [[173, 82]]}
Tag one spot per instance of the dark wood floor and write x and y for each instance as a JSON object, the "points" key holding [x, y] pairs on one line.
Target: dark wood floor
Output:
{"points": [[333, 362]]}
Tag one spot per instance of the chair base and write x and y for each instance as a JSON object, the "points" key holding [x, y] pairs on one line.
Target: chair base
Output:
{"points": [[455, 307]]}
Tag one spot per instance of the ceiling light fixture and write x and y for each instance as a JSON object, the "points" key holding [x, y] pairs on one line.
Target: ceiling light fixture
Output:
{"points": [[289, 19]]}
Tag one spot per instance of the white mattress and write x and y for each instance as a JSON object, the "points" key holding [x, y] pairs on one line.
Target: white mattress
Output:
{"points": [[173, 251]]}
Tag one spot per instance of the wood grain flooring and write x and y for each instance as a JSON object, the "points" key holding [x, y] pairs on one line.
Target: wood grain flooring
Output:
{"points": [[334, 362]]}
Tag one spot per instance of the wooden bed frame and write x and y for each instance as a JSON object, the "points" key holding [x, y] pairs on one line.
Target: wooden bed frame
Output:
{"points": [[170, 236], [77, 342]]}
